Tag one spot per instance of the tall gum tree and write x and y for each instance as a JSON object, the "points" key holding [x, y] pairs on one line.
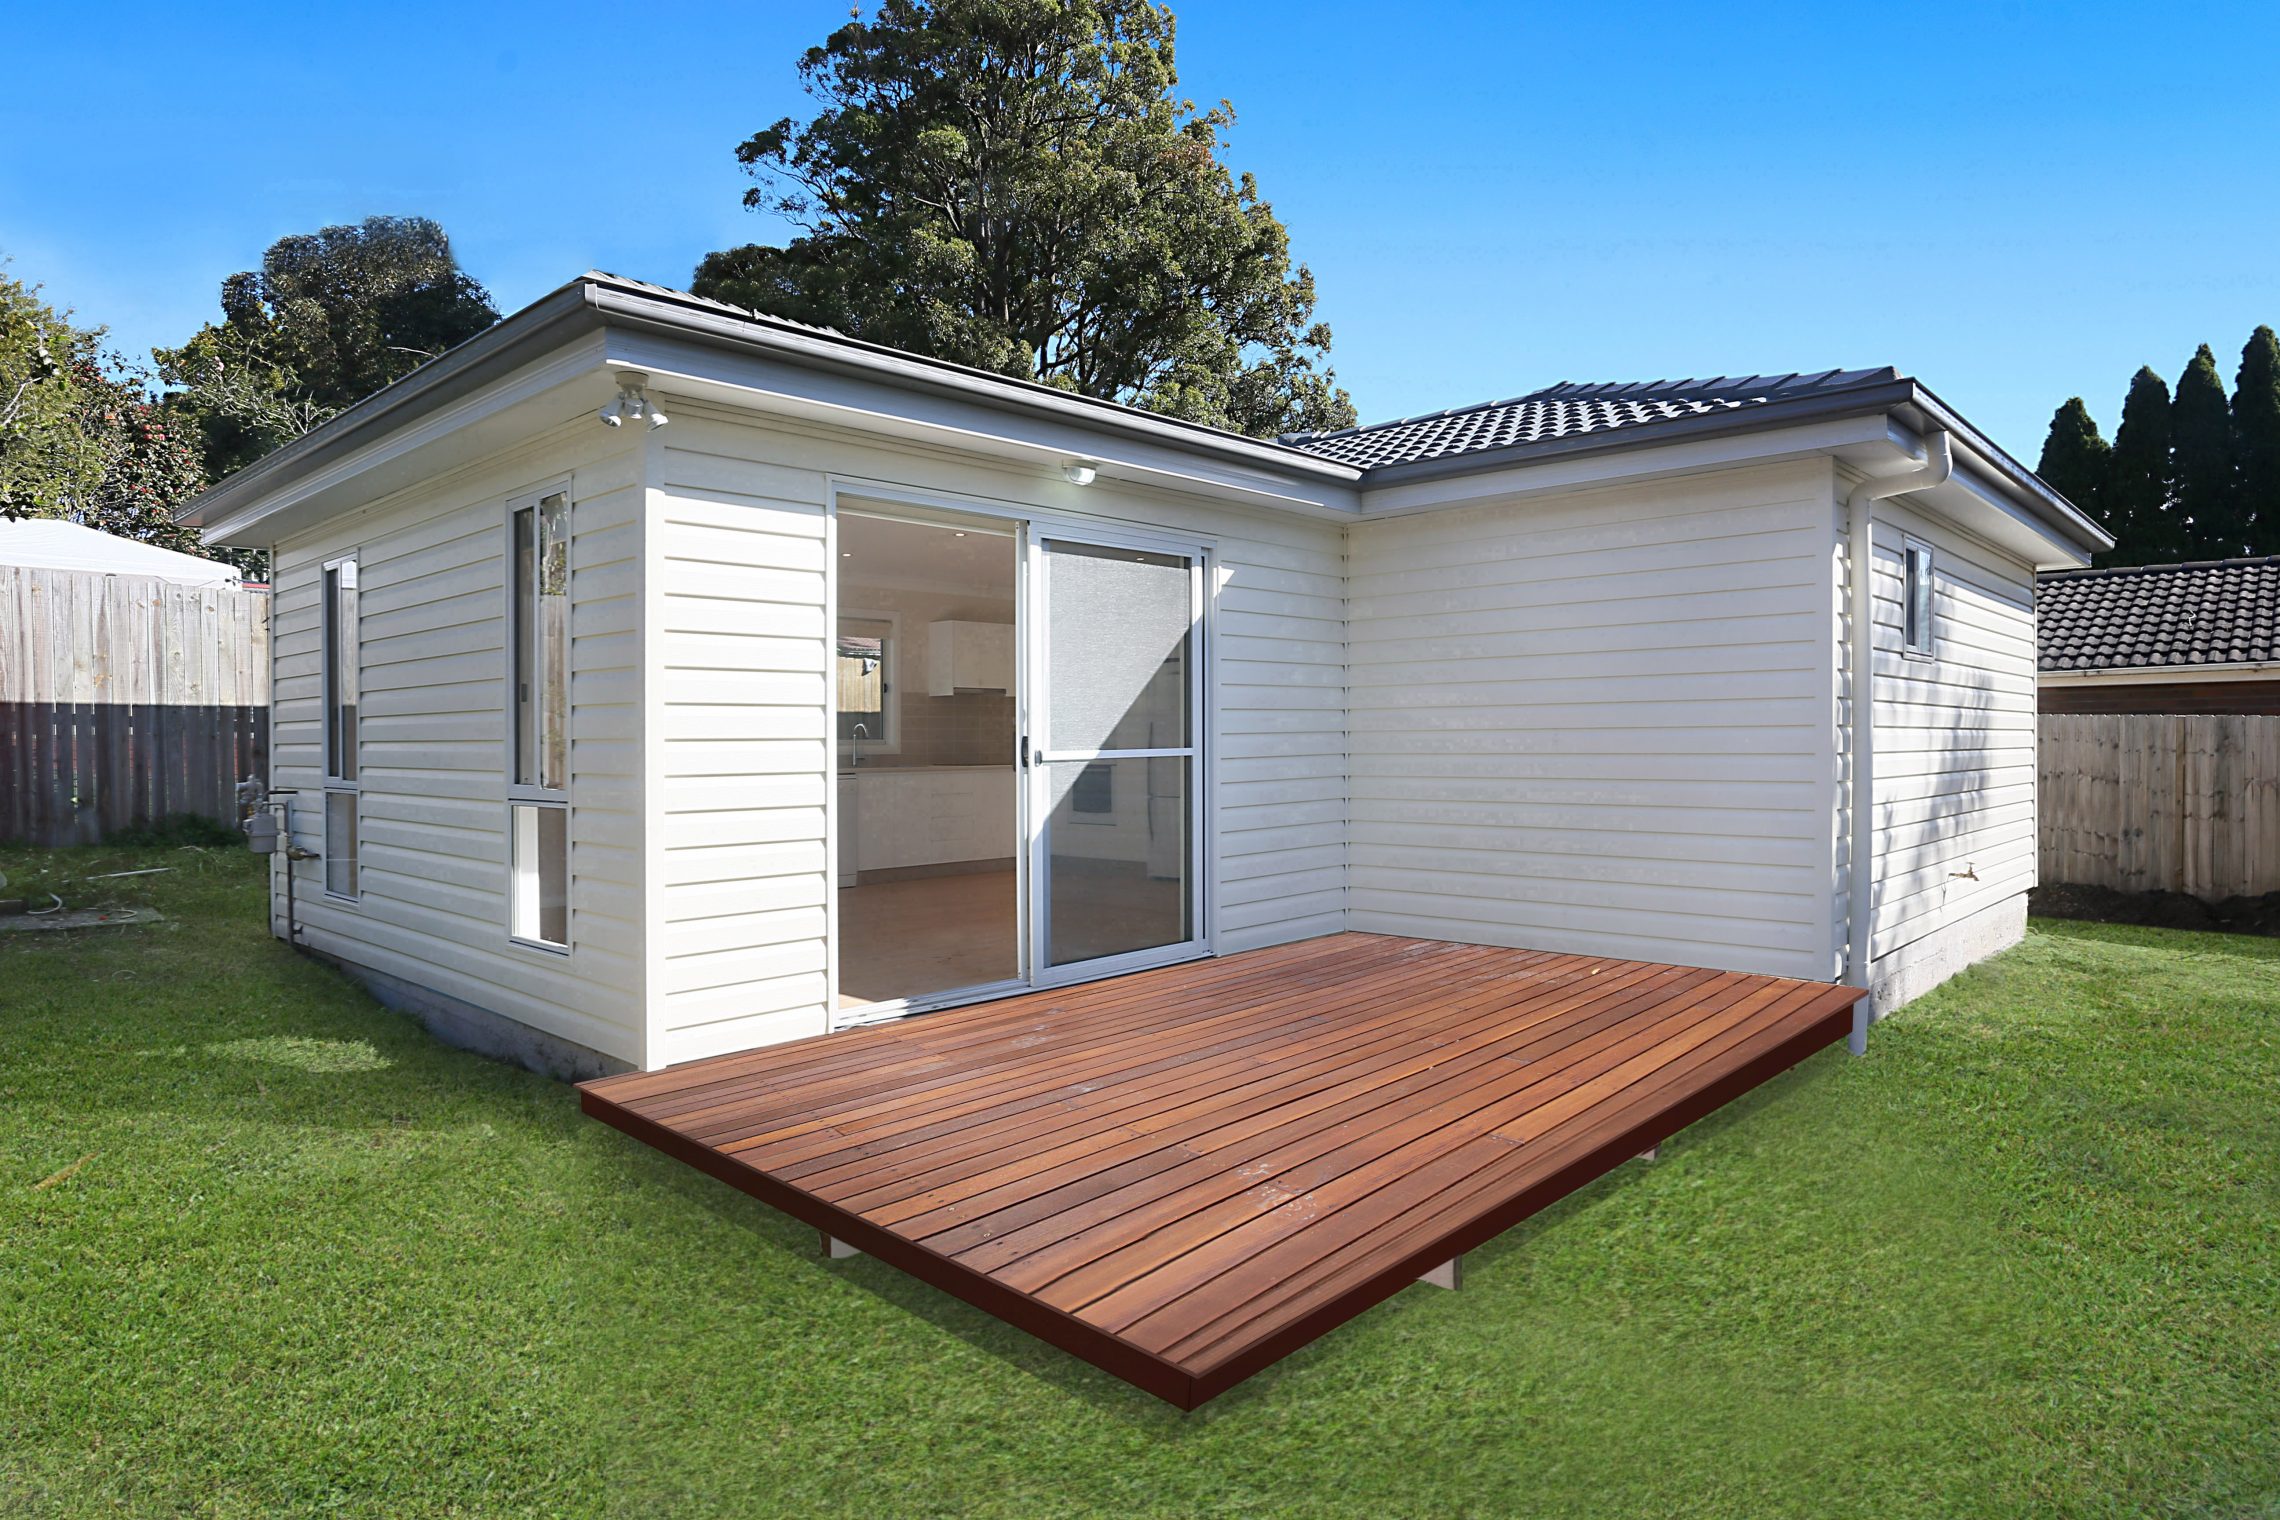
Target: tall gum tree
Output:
{"points": [[1014, 185]]}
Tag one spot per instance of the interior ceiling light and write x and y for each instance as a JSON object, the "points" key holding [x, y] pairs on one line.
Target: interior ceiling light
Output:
{"points": [[632, 401]]}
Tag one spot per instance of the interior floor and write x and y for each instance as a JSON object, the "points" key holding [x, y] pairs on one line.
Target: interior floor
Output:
{"points": [[901, 939], [905, 939]]}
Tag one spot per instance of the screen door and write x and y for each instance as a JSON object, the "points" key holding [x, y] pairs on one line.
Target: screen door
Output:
{"points": [[1114, 772]]}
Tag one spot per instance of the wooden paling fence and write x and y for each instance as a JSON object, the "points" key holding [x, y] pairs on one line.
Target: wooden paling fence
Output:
{"points": [[125, 700], [2152, 802]]}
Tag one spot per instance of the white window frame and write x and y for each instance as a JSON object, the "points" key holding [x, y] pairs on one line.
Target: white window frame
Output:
{"points": [[337, 650], [1920, 643], [889, 740], [520, 794]]}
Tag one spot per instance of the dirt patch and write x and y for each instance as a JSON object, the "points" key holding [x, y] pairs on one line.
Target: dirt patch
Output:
{"points": [[2158, 910]]}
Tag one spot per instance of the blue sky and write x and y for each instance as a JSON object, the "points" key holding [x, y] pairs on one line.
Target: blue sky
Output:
{"points": [[2014, 202]]}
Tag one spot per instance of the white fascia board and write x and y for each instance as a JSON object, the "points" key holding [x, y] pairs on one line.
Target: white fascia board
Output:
{"points": [[1975, 500], [2160, 675], [1867, 438], [539, 395], [1029, 437]]}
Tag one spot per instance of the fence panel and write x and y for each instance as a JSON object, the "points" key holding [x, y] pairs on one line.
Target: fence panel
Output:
{"points": [[2162, 802], [124, 700]]}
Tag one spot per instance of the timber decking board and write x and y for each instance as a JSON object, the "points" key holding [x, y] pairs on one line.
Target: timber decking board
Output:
{"points": [[1183, 1175]]}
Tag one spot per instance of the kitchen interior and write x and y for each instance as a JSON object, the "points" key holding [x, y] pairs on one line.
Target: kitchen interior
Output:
{"points": [[929, 814]]}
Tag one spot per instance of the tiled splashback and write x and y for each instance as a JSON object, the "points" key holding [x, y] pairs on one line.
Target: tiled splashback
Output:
{"points": [[971, 728]]}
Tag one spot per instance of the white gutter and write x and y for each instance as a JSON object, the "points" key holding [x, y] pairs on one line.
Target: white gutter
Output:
{"points": [[2159, 675], [1937, 464]]}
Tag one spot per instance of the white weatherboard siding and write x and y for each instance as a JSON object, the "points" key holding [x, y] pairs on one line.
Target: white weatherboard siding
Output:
{"points": [[433, 857], [743, 757], [1599, 722], [1954, 756], [740, 556]]}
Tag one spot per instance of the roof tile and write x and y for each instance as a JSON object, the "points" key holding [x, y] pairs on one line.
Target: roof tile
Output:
{"points": [[2213, 612], [1567, 410]]}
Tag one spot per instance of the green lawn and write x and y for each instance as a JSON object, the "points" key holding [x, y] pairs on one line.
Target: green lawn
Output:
{"points": [[2020, 1260]]}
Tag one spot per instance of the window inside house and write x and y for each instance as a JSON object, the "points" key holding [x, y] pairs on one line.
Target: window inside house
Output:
{"points": [[1916, 599], [339, 637], [1094, 790], [866, 673], [538, 795]]}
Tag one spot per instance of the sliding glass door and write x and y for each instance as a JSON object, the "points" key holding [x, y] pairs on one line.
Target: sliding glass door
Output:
{"points": [[1114, 772]]}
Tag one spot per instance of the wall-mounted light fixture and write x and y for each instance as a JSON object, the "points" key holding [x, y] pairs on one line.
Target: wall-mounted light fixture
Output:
{"points": [[1080, 472], [632, 401]]}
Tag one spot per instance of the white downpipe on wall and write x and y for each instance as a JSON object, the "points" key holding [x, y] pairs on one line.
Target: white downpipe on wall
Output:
{"points": [[1937, 463]]}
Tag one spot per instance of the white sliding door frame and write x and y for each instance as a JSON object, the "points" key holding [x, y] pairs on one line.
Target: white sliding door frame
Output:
{"points": [[1029, 526], [1039, 756]]}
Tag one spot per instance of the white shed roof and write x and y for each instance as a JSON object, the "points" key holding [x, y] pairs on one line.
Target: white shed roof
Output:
{"points": [[46, 543]]}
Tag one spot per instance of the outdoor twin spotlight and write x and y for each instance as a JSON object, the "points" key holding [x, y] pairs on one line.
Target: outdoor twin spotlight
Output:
{"points": [[632, 401]]}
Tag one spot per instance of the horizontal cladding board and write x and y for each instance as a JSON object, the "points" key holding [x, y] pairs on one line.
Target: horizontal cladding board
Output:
{"points": [[1596, 935], [432, 803], [1633, 589], [1522, 559], [1955, 735], [1599, 720], [1459, 618]]}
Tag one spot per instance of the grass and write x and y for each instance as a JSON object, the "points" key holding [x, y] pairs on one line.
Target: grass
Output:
{"points": [[2021, 1260]]}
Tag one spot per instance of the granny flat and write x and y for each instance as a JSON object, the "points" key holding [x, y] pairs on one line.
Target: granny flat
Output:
{"points": [[658, 682]]}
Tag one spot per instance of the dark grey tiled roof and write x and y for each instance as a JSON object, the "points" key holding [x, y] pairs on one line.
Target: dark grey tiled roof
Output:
{"points": [[1565, 411], [2216, 612]]}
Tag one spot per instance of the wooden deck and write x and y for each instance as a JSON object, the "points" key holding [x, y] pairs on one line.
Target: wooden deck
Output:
{"points": [[1184, 1175]]}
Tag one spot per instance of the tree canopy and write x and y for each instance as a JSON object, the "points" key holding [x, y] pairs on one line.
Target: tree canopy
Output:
{"points": [[2201, 483], [1013, 184], [2137, 497], [2076, 461], [329, 318], [43, 458], [2190, 476], [2256, 436], [81, 436]]}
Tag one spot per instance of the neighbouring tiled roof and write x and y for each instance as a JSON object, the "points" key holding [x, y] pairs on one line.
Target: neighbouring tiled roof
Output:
{"points": [[2215, 612], [1567, 410]]}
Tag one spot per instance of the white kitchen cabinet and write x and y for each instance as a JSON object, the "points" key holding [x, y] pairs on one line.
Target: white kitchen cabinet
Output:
{"points": [[926, 817], [968, 657]]}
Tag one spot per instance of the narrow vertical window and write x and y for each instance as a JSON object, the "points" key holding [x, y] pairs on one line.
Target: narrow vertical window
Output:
{"points": [[1916, 599], [542, 643], [340, 670], [339, 637], [538, 771]]}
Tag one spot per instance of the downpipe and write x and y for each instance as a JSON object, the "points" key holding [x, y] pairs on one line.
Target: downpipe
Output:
{"points": [[1935, 465]]}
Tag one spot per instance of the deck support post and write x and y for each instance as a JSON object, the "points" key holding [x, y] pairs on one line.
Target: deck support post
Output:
{"points": [[1650, 1152], [1449, 1274], [835, 1248], [1864, 1009]]}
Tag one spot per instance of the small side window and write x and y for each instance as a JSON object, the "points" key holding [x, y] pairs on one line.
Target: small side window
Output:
{"points": [[1916, 599], [340, 844], [538, 700], [541, 905], [342, 665]]}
